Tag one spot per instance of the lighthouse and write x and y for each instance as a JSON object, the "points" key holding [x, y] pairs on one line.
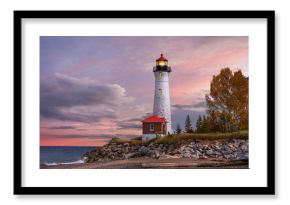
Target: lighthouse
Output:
{"points": [[161, 106], [159, 124]]}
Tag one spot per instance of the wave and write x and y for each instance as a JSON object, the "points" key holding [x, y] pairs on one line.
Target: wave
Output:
{"points": [[60, 163]]}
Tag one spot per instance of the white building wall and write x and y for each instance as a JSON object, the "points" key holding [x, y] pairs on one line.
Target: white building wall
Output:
{"points": [[146, 137], [162, 97]]}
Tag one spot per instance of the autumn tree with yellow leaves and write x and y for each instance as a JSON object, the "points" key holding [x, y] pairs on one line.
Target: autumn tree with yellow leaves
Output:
{"points": [[227, 102]]}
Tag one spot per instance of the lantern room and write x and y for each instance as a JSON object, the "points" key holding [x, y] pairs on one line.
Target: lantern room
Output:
{"points": [[161, 65], [162, 61]]}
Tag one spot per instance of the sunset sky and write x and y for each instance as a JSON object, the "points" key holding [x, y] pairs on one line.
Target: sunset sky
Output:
{"points": [[95, 88]]}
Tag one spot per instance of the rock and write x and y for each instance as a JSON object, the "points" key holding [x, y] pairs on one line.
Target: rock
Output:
{"points": [[143, 151], [205, 147], [154, 154], [163, 156], [126, 150], [130, 155], [217, 147], [232, 147], [186, 155], [195, 154], [198, 149], [192, 145], [114, 149], [170, 148], [203, 156], [181, 149], [218, 153], [176, 151], [210, 152], [135, 148], [236, 142], [227, 156], [244, 148], [85, 159], [187, 149], [242, 156], [198, 145]]}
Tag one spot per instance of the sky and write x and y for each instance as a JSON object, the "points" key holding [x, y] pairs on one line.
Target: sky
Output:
{"points": [[93, 88]]}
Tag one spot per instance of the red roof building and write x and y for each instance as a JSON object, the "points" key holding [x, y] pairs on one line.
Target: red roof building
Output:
{"points": [[153, 126], [154, 118]]}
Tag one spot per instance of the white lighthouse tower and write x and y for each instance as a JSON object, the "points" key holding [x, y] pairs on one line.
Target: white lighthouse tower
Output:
{"points": [[162, 96]]}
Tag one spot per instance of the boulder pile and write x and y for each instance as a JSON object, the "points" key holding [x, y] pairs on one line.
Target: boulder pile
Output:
{"points": [[235, 149]]}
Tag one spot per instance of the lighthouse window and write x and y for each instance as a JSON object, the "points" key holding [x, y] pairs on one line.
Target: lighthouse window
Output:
{"points": [[161, 63], [160, 75], [151, 127], [160, 91]]}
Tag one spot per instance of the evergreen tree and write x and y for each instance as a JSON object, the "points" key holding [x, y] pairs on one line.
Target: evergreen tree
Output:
{"points": [[188, 126], [204, 124], [178, 129], [198, 124]]}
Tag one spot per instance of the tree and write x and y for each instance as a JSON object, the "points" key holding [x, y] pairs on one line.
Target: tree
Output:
{"points": [[204, 124], [187, 125], [178, 129], [198, 124], [227, 102], [240, 102]]}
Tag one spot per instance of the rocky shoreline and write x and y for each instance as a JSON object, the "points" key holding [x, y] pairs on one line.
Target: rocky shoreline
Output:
{"points": [[228, 149]]}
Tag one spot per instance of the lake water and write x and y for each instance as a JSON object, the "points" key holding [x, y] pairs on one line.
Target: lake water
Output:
{"points": [[53, 155]]}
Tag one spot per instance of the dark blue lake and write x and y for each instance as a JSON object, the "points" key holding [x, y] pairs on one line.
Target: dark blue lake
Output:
{"points": [[52, 155]]}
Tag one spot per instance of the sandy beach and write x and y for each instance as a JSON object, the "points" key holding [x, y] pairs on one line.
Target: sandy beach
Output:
{"points": [[149, 163]]}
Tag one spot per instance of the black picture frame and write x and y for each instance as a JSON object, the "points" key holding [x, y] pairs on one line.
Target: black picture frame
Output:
{"points": [[268, 190]]}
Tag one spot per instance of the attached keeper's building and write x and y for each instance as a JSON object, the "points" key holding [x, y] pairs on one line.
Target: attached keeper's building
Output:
{"points": [[153, 127]]}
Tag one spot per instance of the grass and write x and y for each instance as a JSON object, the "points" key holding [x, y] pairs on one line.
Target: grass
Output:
{"points": [[171, 139], [175, 138], [133, 141]]}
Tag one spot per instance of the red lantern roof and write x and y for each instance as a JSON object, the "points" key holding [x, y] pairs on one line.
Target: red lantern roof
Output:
{"points": [[154, 118], [162, 58]]}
